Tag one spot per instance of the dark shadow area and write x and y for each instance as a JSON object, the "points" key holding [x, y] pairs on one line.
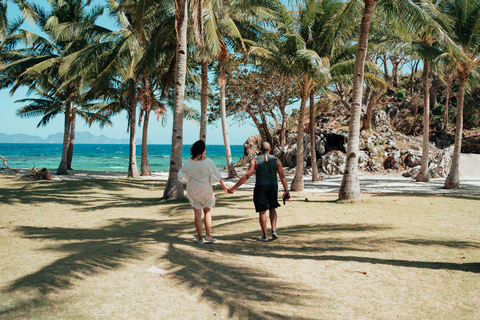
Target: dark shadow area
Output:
{"points": [[84, 195], [234, 287]]}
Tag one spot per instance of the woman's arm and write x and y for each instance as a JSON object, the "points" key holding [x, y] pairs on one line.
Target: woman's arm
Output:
{"points": [[223, 185], [245, 177]]}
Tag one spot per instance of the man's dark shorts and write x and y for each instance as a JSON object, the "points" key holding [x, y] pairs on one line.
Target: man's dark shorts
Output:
{"points": [[265, 197]]}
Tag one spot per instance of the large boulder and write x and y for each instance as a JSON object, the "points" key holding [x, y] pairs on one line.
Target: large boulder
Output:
{"points": [[439, 165], [334, 162]]}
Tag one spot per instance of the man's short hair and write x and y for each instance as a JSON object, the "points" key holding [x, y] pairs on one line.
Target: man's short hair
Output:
{"points": [[265, 146]]}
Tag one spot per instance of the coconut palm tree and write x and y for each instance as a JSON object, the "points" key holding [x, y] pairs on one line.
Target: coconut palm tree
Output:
{"points": [[400, 11], [40, 67], [174, 188], [466, 34], [126, 67], [290, 55]]}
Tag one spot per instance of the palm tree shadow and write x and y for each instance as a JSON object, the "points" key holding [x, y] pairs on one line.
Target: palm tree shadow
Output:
{"points": [[233, 286]]}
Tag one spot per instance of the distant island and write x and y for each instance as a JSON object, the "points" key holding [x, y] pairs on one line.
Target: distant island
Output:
{"points": [[80, 137]]}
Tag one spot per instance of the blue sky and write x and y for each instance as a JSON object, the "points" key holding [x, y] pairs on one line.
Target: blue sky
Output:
{"points": [[10, 123]]}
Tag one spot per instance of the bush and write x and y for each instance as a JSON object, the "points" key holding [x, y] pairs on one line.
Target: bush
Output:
{"points": [[401, 94]]}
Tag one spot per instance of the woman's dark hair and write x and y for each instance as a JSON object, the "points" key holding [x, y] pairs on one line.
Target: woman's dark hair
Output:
{"points": [[197, 148]]}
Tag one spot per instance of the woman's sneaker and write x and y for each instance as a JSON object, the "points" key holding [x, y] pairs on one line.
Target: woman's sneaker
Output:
{"points": [[274, 235], [210, 239], [263, 239], [199, 241]]}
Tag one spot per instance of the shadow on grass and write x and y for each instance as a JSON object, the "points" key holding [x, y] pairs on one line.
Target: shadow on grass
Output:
{"points": [[232, 285], [91, 251], [84, 194]]}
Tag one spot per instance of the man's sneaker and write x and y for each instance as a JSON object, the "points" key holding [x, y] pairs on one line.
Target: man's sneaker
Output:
{"points": [[199, 241], [274, 235], [263, 239]]}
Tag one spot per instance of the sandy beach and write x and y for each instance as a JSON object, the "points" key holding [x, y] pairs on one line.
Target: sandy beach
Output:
{"points": [[392, 182]]}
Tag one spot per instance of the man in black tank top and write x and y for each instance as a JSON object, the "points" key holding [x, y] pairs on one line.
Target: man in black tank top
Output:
{"points": [[266, 167]]}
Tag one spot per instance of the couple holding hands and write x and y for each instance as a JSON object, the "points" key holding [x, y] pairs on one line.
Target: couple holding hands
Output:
{"points": [[200, 173]]}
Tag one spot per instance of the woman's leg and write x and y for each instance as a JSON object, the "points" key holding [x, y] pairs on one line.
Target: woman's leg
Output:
{"points": [[208, 221], [198, 222]]}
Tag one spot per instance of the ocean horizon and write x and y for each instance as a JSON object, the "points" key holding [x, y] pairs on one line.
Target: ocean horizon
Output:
{"points": [[104, 157]]}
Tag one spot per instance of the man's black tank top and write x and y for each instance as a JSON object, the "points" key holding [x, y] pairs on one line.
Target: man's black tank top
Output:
{"points": [[266, 173]]}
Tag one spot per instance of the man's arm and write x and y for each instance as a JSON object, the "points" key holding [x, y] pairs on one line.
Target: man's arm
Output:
{"points": [[245, 177], [281, 173]]}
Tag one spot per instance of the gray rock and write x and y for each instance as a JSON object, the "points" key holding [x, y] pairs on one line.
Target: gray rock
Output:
{"points": [[334, 162]]}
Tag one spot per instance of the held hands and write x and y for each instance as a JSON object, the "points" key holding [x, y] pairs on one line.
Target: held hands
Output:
{"points": [[230, 190]]}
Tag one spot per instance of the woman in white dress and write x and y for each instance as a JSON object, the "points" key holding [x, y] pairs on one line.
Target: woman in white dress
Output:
{"points": [[200, 173]]}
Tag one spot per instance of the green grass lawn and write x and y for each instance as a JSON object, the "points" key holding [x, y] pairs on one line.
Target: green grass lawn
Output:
{"points": [[111, 249]]}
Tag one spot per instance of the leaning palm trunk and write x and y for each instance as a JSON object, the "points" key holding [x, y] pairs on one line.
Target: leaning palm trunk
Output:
{"points": [[144, 165], [424, 175], [132, 163], [203, 102], [228, 153], [453, 180], [350, 187], [313, 151], [72, 137], [231, 170], [367, 119], [297, 183], [63, 167], [174, 188]]}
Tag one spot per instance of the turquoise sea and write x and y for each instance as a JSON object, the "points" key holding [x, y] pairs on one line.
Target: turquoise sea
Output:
{"points": [[102, 157]]}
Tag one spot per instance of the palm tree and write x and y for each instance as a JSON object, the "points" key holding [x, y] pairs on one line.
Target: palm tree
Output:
{"points": [[48, 105], [174, 188], [290, 55], [466, 34], [125, 67], [39, 68], [397, 11]]}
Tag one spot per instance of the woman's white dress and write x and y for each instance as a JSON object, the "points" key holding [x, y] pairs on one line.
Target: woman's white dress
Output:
{"points": [[200, 175]]}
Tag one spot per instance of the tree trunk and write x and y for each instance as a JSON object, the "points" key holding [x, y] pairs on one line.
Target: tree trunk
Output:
{"points": [[63, 167], [297, 183], [453, 179], [174, 188], [144, 165], [411, 81], [433, 91], [367, 118], [395, 69], [257, 123], [283, 128], [203, 102], [72, 137], [6, 165], [424, 175], [385, 66], [228, 153], [350, 187], [313, 150], [447, 101], [132, 163], [266, 130]]}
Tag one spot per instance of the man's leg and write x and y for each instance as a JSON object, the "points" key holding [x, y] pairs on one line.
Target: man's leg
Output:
{"points": [[262, 218], [273, 219]]}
